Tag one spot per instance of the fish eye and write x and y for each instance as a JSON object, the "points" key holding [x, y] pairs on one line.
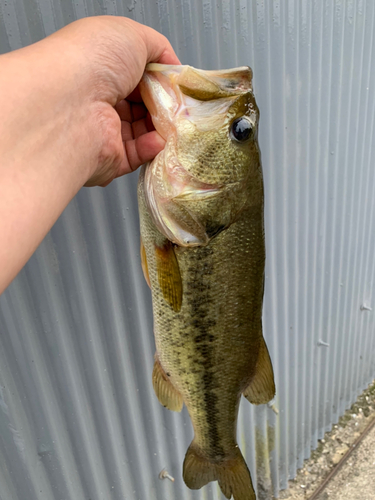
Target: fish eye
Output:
{"points": [[241, 129]]}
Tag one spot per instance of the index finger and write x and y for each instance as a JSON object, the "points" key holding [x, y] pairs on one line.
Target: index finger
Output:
{"points": [[159, 50]]}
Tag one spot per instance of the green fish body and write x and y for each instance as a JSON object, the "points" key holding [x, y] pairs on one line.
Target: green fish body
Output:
{"points": [[203, 255]]}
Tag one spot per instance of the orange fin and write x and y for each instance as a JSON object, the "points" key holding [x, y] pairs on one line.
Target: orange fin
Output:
{"points": [[231, 473], [261, 389], [144, 264], [167, 395], [169, 275]]}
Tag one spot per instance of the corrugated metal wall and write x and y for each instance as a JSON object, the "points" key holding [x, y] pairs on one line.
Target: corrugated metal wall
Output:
{"points": [[78, 417]]}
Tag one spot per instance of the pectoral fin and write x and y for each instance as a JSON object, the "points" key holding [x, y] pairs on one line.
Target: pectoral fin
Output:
{"points": [[167, 395], [144, 264], [261, 389], [169, 276]]}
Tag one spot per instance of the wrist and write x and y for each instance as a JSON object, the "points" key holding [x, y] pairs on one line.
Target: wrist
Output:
{"points": [[44, 107]]}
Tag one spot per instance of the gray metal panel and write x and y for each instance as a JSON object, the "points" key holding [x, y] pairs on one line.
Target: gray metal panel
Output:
{"points": [[78, 417]]}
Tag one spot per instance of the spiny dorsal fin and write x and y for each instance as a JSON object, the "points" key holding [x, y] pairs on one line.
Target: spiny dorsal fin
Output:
{"points": [[261, 389]]}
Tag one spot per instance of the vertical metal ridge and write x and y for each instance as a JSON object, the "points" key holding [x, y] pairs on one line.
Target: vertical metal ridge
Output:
{"points": [[336, 71], [42, 378], [338, 234], [350, 204], [95, 351], [310, 234], [294, 186], [134, 435], [263, 75], [17, 424], [307, 18], [369, 227], [135, 426], [353, 262], [11, 29], [283, 286], [317, 275], [357, 217], [322, 196], [343, 266], [70, 380], [108, 317], [8, 488]]}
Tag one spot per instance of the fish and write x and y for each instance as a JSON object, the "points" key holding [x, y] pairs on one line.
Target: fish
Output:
{"points": [[201, 208]]}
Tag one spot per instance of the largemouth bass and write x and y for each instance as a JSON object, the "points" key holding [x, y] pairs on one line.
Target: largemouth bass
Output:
{"points": [[203, 255]]}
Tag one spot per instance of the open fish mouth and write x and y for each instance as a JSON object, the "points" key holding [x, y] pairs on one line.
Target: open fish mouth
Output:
{"points": [[169, 91]]}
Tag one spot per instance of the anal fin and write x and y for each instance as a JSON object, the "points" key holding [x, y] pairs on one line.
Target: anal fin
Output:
{"points": [[166, 393], [261, 388]]}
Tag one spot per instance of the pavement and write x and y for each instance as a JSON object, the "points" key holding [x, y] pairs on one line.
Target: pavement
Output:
{"points": [[342, 467], [356, 478]]}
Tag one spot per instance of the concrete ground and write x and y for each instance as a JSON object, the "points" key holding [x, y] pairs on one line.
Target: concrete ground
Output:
{"points": [[356, 479], [351, 479]]}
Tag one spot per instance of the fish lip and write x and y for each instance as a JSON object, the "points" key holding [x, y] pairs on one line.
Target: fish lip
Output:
{"points": [[236, 80], [155, 67]]}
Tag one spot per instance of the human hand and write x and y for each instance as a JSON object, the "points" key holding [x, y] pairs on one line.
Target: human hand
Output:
{"points": [[115, 52], [141, 143], [65, 123]]}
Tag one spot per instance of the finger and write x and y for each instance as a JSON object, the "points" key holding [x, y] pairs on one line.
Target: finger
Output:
{"points": [[124, 110], [133, 130], [130, 112], [158, 48], [141, 150], [167, 57], [139, 128], [139, 111], [126, 131]]}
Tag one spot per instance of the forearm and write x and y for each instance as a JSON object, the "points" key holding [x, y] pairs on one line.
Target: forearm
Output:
{"points": [[64, 123], [46, 147]]}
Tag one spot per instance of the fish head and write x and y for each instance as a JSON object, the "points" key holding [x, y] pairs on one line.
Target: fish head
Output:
{"points": [[210, 166]]}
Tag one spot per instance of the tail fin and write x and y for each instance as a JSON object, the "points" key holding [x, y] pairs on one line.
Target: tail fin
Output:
{"points": [[232, 473]]}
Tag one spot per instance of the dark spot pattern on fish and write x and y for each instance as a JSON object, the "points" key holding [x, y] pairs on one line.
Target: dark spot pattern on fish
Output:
{"points": [[211, 402], [203, 326]]}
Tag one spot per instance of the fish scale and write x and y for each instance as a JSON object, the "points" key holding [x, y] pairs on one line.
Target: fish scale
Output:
{"points": [[207, 286]]}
